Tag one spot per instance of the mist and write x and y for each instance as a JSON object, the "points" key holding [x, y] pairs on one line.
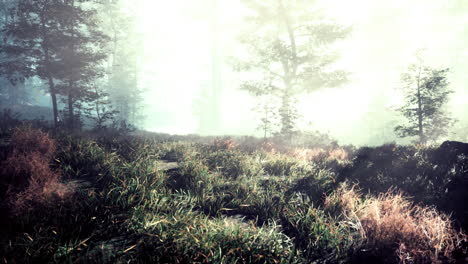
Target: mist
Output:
{"points": [[181, 65], [183, 56]]}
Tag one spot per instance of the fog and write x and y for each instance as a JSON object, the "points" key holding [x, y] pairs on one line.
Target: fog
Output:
{"points": [[186, 55], [182, 55]]}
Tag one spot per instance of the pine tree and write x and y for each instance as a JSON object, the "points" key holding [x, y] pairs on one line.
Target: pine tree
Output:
{"points": [[12, 88], [426, 95], [82, 57], [59, 42]]}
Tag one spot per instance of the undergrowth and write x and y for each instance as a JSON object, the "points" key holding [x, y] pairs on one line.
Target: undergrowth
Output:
{"points": [[95, 199]]}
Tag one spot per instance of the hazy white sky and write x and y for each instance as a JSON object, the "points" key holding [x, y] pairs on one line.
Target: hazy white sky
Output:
{"points": [[386, 35]]}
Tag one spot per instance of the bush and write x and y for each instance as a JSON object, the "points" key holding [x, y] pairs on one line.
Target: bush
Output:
{"points": [[27, 140], [394, 230], [26, 176]]}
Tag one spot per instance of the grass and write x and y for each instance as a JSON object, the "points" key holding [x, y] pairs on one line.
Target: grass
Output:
{"points": [[225, 201]]}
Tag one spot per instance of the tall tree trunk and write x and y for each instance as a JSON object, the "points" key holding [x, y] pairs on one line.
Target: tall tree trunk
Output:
{"points": [[53, 96], [290, 66], [52, 91], [420, 113], [98, 111], [50, 79], [71, 116]]}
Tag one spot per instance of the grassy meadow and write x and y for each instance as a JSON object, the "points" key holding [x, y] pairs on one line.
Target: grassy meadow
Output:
{"points": [[119, 198]]}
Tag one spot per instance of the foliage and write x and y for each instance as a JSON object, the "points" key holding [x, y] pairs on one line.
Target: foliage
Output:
{"points": [[426, 94], [125, 205], [58, 42], [286, 45]]}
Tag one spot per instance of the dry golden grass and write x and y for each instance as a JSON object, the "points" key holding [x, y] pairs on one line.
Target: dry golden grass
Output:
{"points": [[338, 154], [27, 172], [393, 226], [224, 143], [307, 154], [29, 140], [318, 154]]}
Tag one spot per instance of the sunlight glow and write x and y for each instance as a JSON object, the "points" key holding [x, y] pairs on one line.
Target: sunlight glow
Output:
{"points": [[178, 61]]}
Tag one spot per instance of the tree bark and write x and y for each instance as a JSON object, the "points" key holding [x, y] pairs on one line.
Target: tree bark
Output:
{"points": [[53, 96], [420, 113], [50, 79], [71, 114], [71, 117]]}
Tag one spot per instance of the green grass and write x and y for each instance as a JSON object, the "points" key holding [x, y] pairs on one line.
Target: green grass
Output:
{"points": [[217, 206]]}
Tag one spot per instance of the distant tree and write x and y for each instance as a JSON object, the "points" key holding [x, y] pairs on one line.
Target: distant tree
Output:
{"points": [[100, 110], [266, 109], [12, 84], [123, 71], [426, 95], [289, 54]]}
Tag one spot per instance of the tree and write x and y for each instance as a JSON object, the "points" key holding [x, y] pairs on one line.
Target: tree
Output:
{"points": [[123, 69], [35, 41], [59, 42], [288, 46], [82, 57], [266, 110], [426, 94], [100, 110], [12, 88]]}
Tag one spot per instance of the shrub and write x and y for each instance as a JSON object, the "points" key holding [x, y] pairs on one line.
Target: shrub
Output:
{"points": [[26, 175], [30, 140]]}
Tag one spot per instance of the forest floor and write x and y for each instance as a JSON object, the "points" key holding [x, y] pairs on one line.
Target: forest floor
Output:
{"points": [[110, 198]]}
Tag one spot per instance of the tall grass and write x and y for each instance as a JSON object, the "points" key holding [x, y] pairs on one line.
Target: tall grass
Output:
{"points": [[393, 229], [221, 201]]}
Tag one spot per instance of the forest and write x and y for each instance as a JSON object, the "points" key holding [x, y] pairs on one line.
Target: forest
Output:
{"points": [[216, 131]]}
